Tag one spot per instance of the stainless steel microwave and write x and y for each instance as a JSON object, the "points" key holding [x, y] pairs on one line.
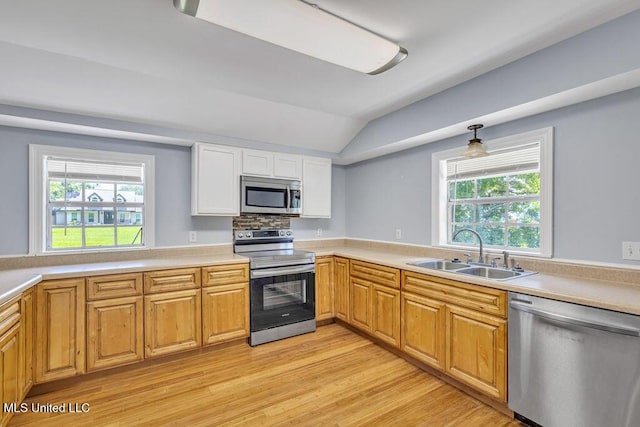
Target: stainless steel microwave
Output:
{"points": [[271, 196]]}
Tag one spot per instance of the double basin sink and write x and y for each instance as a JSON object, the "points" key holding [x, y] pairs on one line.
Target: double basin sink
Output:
{"points": [[471, 269]]}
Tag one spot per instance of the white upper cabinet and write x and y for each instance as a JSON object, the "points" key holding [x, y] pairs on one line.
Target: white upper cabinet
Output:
{"points": [[259, 163], [287, 166], [316, 187], [215, 180], [272, 165]]}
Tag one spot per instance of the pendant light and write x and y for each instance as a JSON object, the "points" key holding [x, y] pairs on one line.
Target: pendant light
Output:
{"points": [[475, 147]]}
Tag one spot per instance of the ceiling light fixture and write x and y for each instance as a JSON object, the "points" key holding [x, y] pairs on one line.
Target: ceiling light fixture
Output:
{"points": [[301, 27], [475, 147]]}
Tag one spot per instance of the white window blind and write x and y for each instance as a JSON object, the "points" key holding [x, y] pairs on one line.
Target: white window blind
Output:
{"points": [[514, 159], [81, 170]]}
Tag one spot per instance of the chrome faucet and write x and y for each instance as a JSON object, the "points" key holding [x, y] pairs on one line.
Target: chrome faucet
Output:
{"points": [[480, 257]]}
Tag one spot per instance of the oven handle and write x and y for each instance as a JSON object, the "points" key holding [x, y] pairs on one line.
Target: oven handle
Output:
{"points": [[282, 271]]}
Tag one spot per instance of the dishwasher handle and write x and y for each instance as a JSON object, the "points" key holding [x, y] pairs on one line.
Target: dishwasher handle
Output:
{"points": [[574, 320]]}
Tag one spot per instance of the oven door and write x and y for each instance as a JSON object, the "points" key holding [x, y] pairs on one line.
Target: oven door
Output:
{"points": [[282, 296]]}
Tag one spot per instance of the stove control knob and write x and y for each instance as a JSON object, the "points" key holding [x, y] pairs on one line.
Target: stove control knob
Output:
{"points": [[289, 233], [247, 235], [240, 235], [282, 232]]}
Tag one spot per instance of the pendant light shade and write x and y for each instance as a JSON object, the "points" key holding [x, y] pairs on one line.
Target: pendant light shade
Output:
{"points": [[301, 27], [475, 147]]}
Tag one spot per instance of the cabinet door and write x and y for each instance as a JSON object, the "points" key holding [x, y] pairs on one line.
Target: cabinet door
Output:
{"points": [[316, 187], [341, 286], [60, 313], [476, 350], [215, 180], [259, 163], [385, 306], [287, 166], [423, 329], [172, 322], [225, 313], [26, 342], [114, 332], [324, 288], [9, 361], [360, 313]]}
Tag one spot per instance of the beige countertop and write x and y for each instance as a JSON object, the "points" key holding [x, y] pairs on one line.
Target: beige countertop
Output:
{"points": [[13, 282], [596, 293]]}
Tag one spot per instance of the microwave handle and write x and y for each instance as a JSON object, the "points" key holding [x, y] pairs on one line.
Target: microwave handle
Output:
{"points": [[288, 201]]}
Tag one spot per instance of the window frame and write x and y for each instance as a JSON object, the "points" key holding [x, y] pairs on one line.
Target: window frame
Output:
{"points": [[439, 190], [38, 194]]}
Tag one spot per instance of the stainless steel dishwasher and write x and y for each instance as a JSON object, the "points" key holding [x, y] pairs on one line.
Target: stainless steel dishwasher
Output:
{"points": [[572, 365]]}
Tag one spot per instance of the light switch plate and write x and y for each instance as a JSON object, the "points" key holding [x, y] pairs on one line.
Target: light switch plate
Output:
{"points": [[631, 251]]}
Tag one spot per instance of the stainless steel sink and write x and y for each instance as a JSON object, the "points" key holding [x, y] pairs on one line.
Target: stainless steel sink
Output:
{"points": [[493, 273], [483, 271], [441, 264]]}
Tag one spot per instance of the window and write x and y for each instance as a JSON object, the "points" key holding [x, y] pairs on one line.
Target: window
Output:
{"points": [[77, 195], [505, 197]]}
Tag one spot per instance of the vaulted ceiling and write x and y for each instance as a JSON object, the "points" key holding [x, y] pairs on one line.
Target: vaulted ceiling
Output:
{"points": [[143, 61]]}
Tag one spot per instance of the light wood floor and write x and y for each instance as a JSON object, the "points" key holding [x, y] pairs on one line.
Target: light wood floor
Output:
{"points": [[331, 377]]}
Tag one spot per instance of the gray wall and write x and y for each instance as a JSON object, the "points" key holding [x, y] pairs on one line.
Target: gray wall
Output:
{"points": [[604, 51], [596, 195], [173, 194]]}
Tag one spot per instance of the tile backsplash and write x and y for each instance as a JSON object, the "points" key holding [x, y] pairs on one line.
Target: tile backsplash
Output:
{"points": [[261, 222]]}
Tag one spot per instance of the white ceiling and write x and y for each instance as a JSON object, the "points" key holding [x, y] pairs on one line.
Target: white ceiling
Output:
{"points": [[143, 61]]}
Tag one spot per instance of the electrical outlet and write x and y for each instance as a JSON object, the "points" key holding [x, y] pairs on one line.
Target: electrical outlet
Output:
{"points": [[193, 237], [319, 232], [631, 250], [398, 234]]}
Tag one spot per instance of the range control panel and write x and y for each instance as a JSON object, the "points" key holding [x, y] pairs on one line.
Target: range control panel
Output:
{"points": [[261, 234]]}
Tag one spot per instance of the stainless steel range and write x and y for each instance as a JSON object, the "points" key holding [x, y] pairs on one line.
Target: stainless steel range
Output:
{"points": [[282, 286]]}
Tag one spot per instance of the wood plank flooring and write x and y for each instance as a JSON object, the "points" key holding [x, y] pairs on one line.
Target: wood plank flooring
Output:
{"points": [[332, 377]]}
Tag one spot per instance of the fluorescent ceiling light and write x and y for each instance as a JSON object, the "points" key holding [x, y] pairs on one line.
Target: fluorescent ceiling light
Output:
{"points": [[301, 27]]}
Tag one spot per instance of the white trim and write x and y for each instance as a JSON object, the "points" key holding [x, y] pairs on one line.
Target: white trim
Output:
{"points": [[439, 190], [37, 192]]}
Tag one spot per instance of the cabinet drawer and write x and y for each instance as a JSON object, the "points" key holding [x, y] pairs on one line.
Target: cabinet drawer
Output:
{"points": [[218, 275], [9, 314], [114, 286], [171, 280], [478, 298], [385, 276]]}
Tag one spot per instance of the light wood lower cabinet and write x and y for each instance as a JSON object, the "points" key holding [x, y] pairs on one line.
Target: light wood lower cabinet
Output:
{"points": [[375, 300], [9, 362], [225, 313], [60, 325], [10, 357], [324, 288], [114, 332], [423, 329], [476, 350], [225, 303], [360, 308], [469, 343], [27, 317], [172, 322], [341, 288], [385, 316]]}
